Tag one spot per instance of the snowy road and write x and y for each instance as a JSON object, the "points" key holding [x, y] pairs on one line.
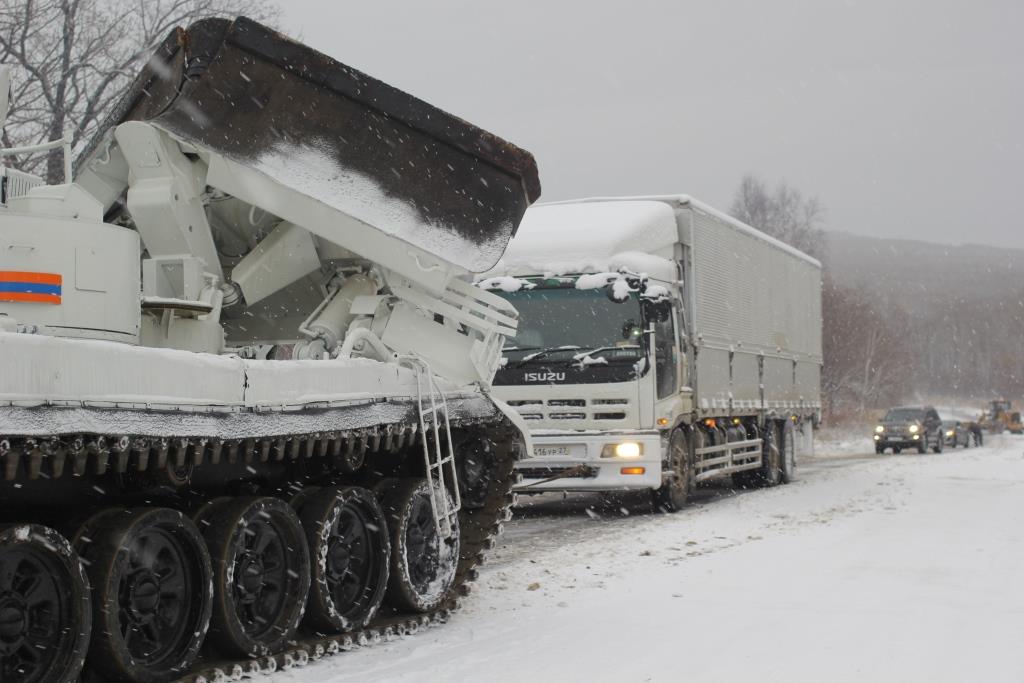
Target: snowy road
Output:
{"points": [[893, 568]]}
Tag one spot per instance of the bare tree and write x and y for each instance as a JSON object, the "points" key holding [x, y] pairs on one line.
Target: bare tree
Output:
{"points": [[73, 58], [867, 358], [783, 213]]}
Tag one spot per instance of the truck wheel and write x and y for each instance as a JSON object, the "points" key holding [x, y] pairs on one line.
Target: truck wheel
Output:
{"points": [[675, 489], [260, 573], [788, 460], [770, 473], [45, 612], [150, 575], [348, 542], [423, 563]]}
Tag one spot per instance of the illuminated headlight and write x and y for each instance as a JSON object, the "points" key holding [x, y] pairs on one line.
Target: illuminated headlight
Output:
{"points": [[626, 449], [879, 429], [950, 433], [916, 437], [913, 429], [877, 437]]}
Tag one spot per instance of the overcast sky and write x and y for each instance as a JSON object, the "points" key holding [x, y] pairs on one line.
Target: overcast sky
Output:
{"points": [[905, 118]]}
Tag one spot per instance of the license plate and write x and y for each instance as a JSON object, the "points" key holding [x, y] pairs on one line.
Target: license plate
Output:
{"points": [[551, 451]]}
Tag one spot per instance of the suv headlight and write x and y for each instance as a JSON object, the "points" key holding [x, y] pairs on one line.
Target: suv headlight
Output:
{"points": [[879, 429], [913, 429]]}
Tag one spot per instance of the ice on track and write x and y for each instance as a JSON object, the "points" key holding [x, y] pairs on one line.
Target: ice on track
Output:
{"points": [[869, 568]]}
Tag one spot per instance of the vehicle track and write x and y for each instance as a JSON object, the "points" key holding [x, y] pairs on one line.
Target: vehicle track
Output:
{"points": [[84, 456]]}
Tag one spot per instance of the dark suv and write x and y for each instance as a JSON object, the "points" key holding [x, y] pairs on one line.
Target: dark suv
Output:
{"points": [[917, 427]]}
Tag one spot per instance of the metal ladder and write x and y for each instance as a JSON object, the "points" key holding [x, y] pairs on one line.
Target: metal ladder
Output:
{"points": [[439, 462]]}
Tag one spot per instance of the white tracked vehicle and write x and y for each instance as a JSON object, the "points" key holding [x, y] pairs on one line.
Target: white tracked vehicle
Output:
{"points": [[244, 381], [661, 343]]}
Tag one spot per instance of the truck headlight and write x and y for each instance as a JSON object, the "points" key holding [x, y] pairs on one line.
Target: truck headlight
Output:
{"points": [[626, 449], [879, 429], [913, 429]]}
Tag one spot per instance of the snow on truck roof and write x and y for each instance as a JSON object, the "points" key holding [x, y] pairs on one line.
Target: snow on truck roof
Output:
{"points": [[687, 200], [575, 237], [607, 233]]}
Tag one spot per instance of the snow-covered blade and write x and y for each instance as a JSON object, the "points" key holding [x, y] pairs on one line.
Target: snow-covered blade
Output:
{"points": [[256, 97]]}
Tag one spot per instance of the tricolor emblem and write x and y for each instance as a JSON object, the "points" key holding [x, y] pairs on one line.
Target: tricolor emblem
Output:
{"points": [[38, 288]]}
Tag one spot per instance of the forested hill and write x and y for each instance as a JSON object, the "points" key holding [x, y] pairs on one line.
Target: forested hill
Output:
{"points": [[907, 319]]}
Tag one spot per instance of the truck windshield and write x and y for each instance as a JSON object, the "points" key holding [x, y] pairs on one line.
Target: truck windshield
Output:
{"points": [[559, 323]]}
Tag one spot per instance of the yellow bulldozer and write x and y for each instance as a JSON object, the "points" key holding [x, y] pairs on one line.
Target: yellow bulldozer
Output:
{"points": [[999, 416]]}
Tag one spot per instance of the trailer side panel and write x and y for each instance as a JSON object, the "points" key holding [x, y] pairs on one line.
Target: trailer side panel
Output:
{"points": [[757, 319]]}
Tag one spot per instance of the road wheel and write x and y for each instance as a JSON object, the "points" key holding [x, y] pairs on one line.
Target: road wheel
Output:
{"points": [[260, 573], [788, 455], [423, 563], [150, 575], [939, 441], [348, 542], [675, 489], [45, 609]]}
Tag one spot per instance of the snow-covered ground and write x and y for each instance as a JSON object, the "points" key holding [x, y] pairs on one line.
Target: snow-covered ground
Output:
{"points": [[869, 568]]}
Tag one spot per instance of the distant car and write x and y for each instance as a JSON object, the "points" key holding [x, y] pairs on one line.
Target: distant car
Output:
{"points": [[917, 427], [957, 434]]}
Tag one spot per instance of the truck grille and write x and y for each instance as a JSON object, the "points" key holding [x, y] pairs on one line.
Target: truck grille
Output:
{"points": [[554, 409]]}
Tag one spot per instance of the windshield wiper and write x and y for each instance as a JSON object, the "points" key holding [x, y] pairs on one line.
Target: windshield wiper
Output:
{"points": [[519, 348], [609, 354], [543, 353]]}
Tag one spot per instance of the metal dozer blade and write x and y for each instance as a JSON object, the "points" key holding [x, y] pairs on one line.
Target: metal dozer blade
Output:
{"points": [[334, 135]]}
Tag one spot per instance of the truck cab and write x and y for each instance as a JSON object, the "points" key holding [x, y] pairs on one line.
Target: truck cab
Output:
{"points": [[589, 366]]}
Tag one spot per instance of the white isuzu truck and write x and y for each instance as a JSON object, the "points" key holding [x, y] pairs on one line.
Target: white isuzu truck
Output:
{"points": [[660, 343]]}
